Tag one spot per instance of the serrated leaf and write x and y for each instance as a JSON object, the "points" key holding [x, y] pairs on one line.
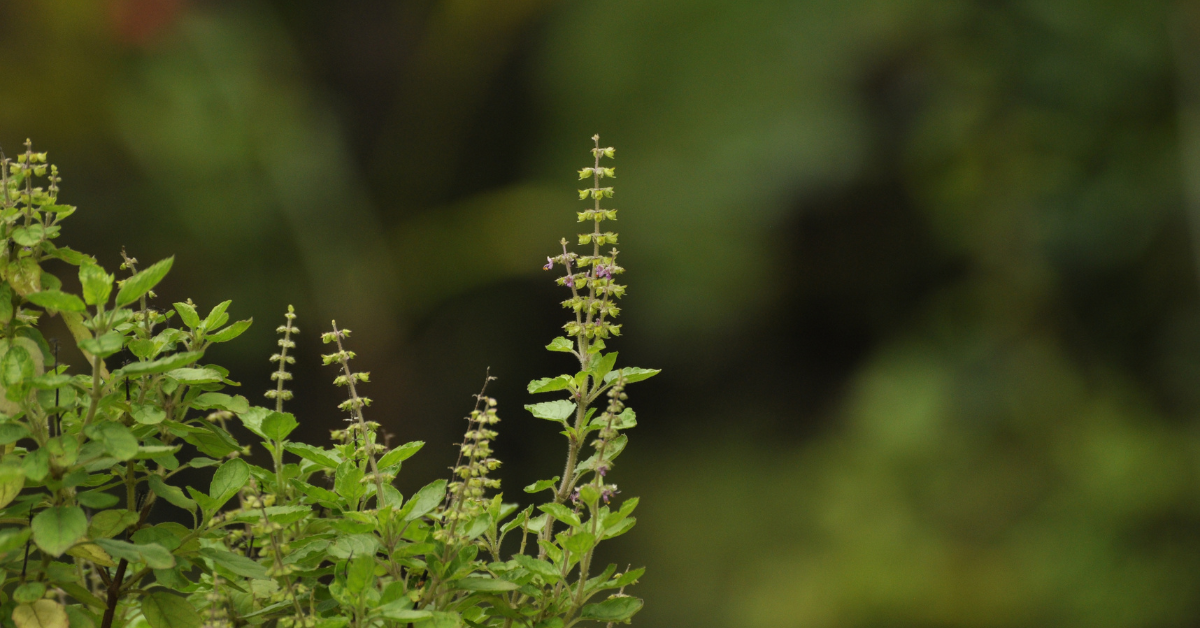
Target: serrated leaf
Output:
{"points": [[228, 480], [542, 485], [103, 346], [118, 441], [239, 565], [195, 376], [110, 523], [57, 300], [549, 573], [148, 414], [97, 285], [613, 609], [323, 457], [161, 365], [561, 344], [277, 425], [166, 610], [92, 552], [220, 401], [188, 315], [604, 365], [632, 374], [172, 494], [400, 454], [424, 501], [559, 410], [133, 288], [549, 384], [562, 513], [154, 555], [231, 332], [475, 583]]}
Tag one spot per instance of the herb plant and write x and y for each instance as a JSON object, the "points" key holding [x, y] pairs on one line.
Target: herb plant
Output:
{"points": [[320, 538]]}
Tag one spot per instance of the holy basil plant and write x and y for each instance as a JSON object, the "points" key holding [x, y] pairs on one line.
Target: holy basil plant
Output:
{"points": [[316, 537]]}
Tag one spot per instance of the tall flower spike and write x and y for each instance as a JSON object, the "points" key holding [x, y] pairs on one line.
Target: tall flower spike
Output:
{"points": [[355, 404], [475, 461], [280, 394], [594, 290]]}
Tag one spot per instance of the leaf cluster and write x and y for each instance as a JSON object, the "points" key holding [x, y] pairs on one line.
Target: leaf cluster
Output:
{"points": [[320, 538]]}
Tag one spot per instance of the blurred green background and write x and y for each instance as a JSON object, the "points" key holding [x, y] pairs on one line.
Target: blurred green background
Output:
{"points": [[921, 274]]}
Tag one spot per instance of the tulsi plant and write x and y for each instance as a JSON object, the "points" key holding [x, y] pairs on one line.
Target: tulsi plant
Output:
{"points": [[321, 538]]}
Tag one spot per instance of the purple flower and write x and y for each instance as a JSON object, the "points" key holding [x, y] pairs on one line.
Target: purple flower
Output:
{"points": [[549, 263], [569, 281], [575, 496], [604, 272], [602, 470]]}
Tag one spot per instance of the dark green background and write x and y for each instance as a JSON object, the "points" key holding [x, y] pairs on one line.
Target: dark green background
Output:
{"points": [[921, 274]]}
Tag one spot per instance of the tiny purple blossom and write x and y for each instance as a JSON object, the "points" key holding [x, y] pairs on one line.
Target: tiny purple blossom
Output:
{"points": [[549, 263], [570, 281], [604, 271]]}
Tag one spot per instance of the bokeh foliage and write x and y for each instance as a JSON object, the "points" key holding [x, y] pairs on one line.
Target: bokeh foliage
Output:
{"points": [[920, 273]]}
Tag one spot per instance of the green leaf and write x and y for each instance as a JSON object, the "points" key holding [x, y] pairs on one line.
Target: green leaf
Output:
{"points": [[28, 236], [166, 610], [425, 500], [50, 381], [133, 288], [400, 454], [629, 577], [148, 414], [172, 494], [580, 543], [43, 613], [220, 401], [277, 425], [97, 500], [57, 300], [217, 316], [360, 574], [188, 315], [6, 304], [397, 611], [549, 573], [239, 565], [12, 432], [154, 555], [356, 544], [632, 374], [613, 609], [228, 480], [16, 366], [161, 365], [347, 482], [110, 523], [562, 513], [56, 529], [231, 332], [559, 410], [542, 485], [97, 285], [604, 365], [474, 583], [194, 376], [103, 346], [561, 344], [323, 457], [549, 384], [118, 441], [12, 480]]}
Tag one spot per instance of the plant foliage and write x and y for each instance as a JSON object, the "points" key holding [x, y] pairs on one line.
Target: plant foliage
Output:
{"points": [[319, 539]]}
